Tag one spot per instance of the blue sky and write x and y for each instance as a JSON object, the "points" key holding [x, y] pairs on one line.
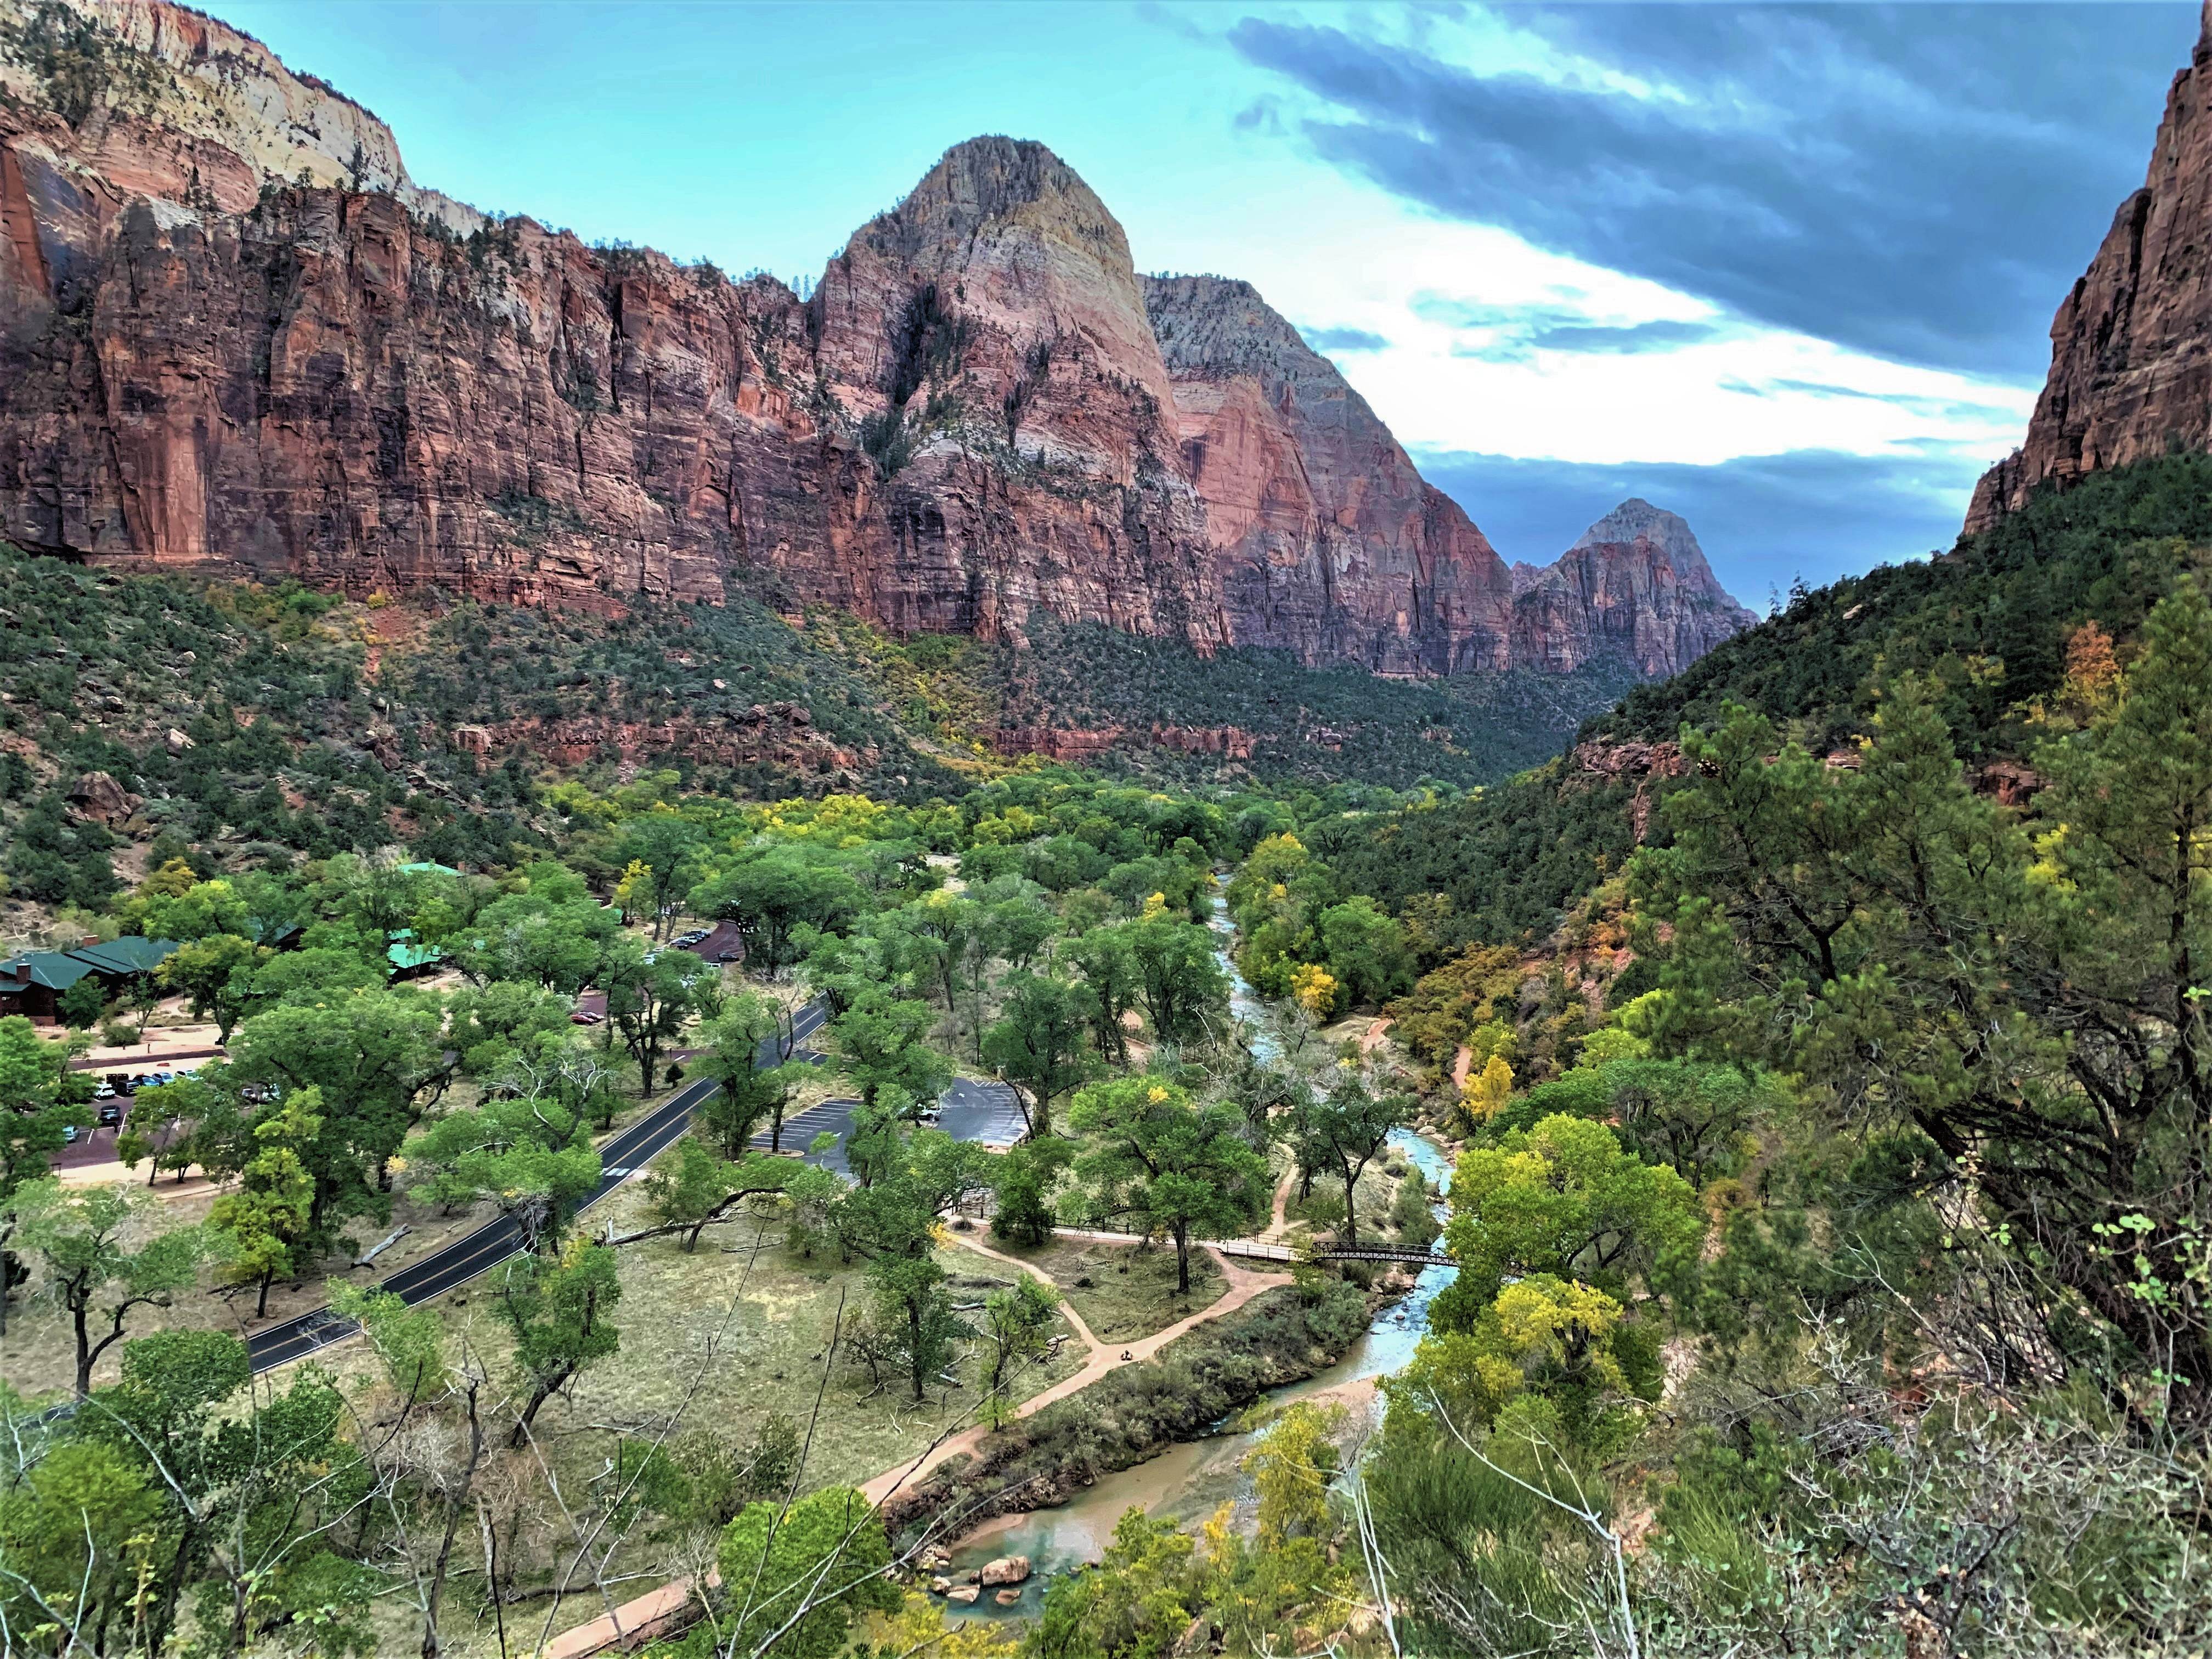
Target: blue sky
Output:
{"points": [[1786, 269]]}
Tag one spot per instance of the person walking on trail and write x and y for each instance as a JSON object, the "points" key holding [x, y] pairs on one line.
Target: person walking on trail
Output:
{"points": [[1125, 1354]]}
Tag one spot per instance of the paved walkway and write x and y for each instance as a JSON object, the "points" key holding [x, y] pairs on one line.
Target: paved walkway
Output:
{"points": [[629, 1626]]}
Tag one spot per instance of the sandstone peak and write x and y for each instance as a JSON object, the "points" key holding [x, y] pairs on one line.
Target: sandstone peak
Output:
{"points": [[2128, 375], [994, 181], [199, 111], [1220, 324], [1636, 585]]}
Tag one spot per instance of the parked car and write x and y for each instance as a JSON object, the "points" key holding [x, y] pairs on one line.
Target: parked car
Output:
{"points": [[104, 1092], [731, 956], [111, 1114], [69, 1135], [586, 1016]]}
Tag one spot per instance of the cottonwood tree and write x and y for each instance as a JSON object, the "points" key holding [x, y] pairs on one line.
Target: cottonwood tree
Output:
{"points": [[378, 1058], [693, 1187], [216, 976], [1344, 1131], [265, 1223], [530, 1156], [651, 996], [98, 1271], [39, 1100], [1017, 1328], [1041, 1043], [558, 1310], [892, 1222], [747, 1049], [883, 1045], [1168, 1164]]}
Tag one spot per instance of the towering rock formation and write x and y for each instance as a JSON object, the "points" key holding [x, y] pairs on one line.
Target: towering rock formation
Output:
{"points": [[2131, 346], [1636, 586], [235, 334], [1325, 541]]}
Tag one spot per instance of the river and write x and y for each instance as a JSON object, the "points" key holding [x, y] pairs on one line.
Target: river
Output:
{"points": [[1187, 1482]]}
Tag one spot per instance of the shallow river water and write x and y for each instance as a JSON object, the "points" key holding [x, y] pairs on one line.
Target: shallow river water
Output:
{"points": [[1189, 1481]]}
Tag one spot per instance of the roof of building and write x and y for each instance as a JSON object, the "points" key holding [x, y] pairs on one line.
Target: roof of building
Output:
{"points": [[404, 952], [55, 970], [128, 955], [59, 970]]}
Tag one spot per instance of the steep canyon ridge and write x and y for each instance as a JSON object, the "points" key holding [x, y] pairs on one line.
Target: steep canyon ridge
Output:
{"points": [[2131, 345], [238, 337]]}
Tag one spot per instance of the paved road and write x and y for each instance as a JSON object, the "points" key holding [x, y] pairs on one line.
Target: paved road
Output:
{"points": [[488, 1246]]}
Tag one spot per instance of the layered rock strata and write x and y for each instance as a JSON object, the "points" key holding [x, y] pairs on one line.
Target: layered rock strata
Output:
{"points": [[1636, 586], [235, 334], [2131, 345]]}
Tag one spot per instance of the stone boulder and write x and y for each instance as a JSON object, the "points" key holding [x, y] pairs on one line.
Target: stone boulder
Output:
{"points": [[97, 797], [1007, 1570]]}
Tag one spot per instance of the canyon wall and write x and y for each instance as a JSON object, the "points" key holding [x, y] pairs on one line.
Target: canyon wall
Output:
{"points": [[235, 334], [1636, 585], [2131, 346]]}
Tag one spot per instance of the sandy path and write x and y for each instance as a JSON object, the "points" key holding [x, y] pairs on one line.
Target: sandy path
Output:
{"points": [[1244, 1283], [628, 1623], [1281, 1223]]}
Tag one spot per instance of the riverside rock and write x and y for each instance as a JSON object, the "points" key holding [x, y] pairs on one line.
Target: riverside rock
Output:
{"points": [[2131, 345], [1006, 1569]]}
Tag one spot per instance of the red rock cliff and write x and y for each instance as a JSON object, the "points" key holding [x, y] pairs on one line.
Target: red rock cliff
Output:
{"points": [[234, 333], [1636, 586], [2131, 346], [1325, 541]]}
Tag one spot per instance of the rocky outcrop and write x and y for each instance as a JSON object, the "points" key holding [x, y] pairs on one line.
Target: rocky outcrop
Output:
{"points": [[1325, 541], [1636, 586], [235, 334], [2131, 346], [1086, 742]]}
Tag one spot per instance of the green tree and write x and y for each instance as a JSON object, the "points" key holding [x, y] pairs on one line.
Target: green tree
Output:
{"points": [[1023, 1182], [1041, 1043], [1017, 1328], [1344, 1131], [892, 1222], [1563, 1198], [794, 1579], [686, 1191], [882, 1046], [39, 1099], [215, 976], [264, 1222], [1366, 951], [651, 997], [746, 1046], [770, 895], [558, 1309], [1180, 981], [529, 1155], [408, 1342], [81, 1005], [668, 845], [487, 1025], [1167, 1165], [99, 1270], [377, 1058], [1108, 959]]}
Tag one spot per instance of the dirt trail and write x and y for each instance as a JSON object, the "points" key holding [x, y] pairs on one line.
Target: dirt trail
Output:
{"points": [[1244, 1283], [628, 1623]]}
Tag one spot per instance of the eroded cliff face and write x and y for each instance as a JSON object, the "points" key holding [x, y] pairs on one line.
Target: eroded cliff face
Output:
{"points": [[2131, 346], [235, 334], [1636, 585], [1325, 539]]}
